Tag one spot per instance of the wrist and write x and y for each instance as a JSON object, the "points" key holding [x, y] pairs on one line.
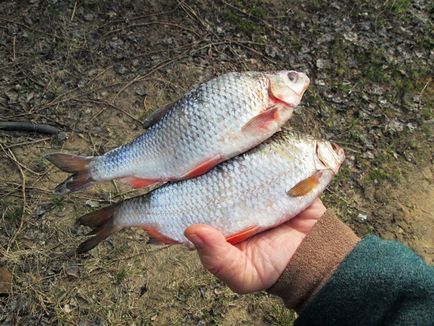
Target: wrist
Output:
{"points": [[314, 261]]}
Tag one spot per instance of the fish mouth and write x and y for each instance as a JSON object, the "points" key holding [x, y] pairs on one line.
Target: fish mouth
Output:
{"points": [[330, 155], [306, 83]]}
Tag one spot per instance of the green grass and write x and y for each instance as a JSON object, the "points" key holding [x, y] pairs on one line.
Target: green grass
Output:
{"points": [[14, 213], [120, 276]]}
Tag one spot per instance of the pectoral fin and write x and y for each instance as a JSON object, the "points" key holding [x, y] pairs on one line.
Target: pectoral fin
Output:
{"points": [[262, 120], [306, 185]]}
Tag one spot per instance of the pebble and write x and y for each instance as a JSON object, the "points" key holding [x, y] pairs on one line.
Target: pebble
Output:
{"points": [[361, 217], [72, 270], [92, 203]]}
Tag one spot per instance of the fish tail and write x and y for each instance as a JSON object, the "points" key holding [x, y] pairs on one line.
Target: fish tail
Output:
{"points": [[75, 164], [102, 224]]}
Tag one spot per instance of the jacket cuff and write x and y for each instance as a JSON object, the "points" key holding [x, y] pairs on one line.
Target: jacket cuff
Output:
{"points": [[315, 260]]}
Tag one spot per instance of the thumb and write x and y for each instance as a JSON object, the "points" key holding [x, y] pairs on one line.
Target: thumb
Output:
{"points": [[217, 255]]}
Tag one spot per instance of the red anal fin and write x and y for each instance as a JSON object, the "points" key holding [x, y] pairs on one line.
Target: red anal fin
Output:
{"points": [[243, 235], [203, 167], [262, 120], [157, 237], [140, 183], [306, 185]]}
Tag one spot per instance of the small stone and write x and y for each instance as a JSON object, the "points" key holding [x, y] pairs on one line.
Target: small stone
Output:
{"points": [[40, 211], [394, 126], [67, 309], [89, 17], [121, 69], [5, 281], [140, 90], [97, 130], [350, 36], [61, 136], [361, 217], [12, 96], [411, 126], [271, 51], [92, 203], [29, 97], [322, 63], [72, 270]]}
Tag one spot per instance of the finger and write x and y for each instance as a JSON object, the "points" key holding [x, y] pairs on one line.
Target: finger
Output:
{"points": [[218, 256], [306, 220]]}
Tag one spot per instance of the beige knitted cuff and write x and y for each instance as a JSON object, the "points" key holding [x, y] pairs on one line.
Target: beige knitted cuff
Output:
{"points": [[315, 260]]}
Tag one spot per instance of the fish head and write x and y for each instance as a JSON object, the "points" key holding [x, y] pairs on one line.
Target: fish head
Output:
{"points": [[330, 156], [288, 87]]}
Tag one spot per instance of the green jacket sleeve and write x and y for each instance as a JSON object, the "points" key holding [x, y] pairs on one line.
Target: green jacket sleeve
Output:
{"points": [[378, 283]]}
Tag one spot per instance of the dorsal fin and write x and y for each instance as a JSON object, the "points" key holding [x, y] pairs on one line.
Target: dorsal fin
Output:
{"points": [[156, 115]]}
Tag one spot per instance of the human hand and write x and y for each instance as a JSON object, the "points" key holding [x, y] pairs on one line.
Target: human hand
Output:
{"points": [[256, 263]]}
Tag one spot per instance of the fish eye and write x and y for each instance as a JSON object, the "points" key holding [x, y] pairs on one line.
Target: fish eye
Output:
{"points": [[292, 76]]}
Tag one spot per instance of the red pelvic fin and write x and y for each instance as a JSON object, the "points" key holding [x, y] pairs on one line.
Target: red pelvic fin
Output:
{"points": [[262, 120], [243, 235], [203, 167], [157, 237], [140, 183], [306, 185]]}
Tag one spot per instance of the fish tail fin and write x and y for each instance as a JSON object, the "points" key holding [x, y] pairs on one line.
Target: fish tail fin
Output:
{"points": [[102, 224], [75, 164]]}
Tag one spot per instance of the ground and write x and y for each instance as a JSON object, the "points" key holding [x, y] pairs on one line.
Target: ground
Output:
{"points": [[95, 69]]}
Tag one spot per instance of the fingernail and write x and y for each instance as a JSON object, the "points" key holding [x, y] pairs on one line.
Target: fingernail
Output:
{"points": [[197, 241]]}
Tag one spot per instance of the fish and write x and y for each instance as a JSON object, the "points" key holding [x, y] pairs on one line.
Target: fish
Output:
{"points": [[212, 123], [245, 195]]}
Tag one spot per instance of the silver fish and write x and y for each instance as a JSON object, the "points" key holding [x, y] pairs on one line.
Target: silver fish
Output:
{"points": [[208, 125], [252, 192]]}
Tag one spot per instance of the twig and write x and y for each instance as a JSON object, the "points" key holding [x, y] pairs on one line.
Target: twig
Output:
{"points": [[249, 15], [73, 10], [151, 71], [29, 126], [108, 104], [14, 55], [191, 13], [12, 157], [256, 52], [151, 23], [137, 18], [28, 27], [27, 143], [23, 191], [426, 85], [118, 193]]}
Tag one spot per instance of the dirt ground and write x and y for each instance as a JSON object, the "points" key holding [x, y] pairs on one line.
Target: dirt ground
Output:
{"points": [[96, 69]]}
